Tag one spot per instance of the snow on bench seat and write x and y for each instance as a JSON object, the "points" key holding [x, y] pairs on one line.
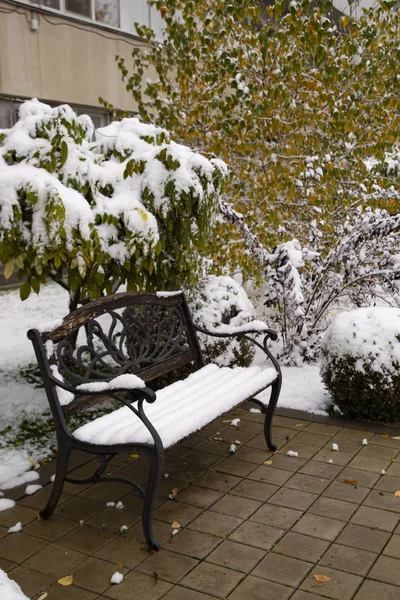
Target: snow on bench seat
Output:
{"points": [[182, 407]]}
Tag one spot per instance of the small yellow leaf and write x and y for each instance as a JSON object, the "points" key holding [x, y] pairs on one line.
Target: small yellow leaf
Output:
{"points": [[43, 596], [39, 518], [392, 459], [397, 494], [175, 525], [299, 425], [267, 462], [322, 578], [67, 580], [175, 491], [118, 564], [351, 481], [135, 456]]}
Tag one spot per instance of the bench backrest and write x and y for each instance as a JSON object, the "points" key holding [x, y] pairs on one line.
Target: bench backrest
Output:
{"points": [[148, 334]]}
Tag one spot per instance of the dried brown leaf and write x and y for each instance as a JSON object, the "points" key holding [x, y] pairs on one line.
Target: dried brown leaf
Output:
{"points": [[155, 575], [351, 481], [118, 564], [67, 580], [175, 525], [322, 578]]}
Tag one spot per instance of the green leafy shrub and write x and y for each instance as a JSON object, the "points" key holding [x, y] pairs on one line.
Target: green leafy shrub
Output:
{"points": [[361, 364], [222, 301]]}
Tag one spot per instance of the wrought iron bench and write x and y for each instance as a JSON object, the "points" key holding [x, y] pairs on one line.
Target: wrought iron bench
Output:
{"points": [[112, 348]]}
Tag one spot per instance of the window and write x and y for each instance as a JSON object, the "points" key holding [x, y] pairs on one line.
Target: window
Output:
{"points": [[106, 12]]}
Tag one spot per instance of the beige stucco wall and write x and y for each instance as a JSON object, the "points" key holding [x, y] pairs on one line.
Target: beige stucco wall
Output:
{"points": [[60, 62]]}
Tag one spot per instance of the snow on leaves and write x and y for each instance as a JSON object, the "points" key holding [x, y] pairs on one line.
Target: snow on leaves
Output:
{"points": [[90, 208]]}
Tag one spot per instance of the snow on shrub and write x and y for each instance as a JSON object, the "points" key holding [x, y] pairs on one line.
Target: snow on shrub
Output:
{"points": [[361, 363], [94, 209], [221, 300]]}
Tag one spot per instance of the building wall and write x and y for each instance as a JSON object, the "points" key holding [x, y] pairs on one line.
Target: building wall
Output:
{"points": [[64, 60]]}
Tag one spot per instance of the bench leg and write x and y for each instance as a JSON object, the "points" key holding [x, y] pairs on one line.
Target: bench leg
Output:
{"points": [[275, 391], [156, 463], [61, 473]]}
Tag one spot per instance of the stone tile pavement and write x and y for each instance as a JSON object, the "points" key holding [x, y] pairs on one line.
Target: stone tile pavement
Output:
{"points": [[254, 525]]}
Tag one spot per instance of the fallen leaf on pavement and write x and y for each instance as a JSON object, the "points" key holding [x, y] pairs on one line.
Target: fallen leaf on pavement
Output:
{"points": [[397, 493], [175, 525], [267, 462], [322, 578], [351, 481], [66, 580], [118, 564], [155, 575], [43, 596]]}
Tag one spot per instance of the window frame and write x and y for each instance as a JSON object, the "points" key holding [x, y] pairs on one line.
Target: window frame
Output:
{"points": [[62, 11]]}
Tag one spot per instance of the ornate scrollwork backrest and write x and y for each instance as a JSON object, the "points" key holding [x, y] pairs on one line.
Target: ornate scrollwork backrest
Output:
{"points": [[127, 340]]}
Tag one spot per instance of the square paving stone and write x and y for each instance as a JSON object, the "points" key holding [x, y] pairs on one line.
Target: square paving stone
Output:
{"points": [[325, 507], [305, 450], [236, 506], [339, 458], [381, 452], [276, 516], [233, 466], [270, 475], [124, 551], [300, 595], [55, 561], [288, 463], [30, 582], [202, 459], [184, 471], [385, 440], [216, 447], [236, 556], [167, 565], [373, 517], [253, 455], [345, 445], [68, 593], [7, 565], [78, 509], [323, 429], [218, 481], [193, 441], [307, 483], [320, 527], [176, 511], [386, 569], [215, 523], [296, 424], [393, 547], [321, 470], [293, 498], [313, 439], [3, 532], [254, 490], [162, 532], [393, 470], [256, 534], [106, 492], [254, 588], [351, 560], [301, 546], [365, 463], [145, 588], [212, 579], [363, 538], [354, 434], [9, 517], [181, 593], [39, 499], [346, 492], [282, 569], [193, 543], [198, 496], [112, 519], [386, 483], [50, 530], [86, 539], [341, 587], [95, 575], [364, 478], [371, 590], [384, 500], [17, 547]]}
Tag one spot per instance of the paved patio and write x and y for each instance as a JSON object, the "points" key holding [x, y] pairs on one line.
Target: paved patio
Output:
{"points": [[255, 525]]}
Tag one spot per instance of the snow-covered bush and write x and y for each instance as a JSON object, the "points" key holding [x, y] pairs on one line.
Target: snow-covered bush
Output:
{"points": [[216, 301], [94, 209], [361, 363]]}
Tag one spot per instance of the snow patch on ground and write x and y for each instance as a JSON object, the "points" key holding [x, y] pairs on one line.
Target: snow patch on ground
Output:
{"points": [[9, 589]]}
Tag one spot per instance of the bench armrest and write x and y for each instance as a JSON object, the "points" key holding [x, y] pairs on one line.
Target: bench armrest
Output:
{"points": [[232, 330]]}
